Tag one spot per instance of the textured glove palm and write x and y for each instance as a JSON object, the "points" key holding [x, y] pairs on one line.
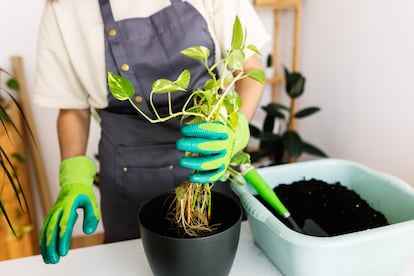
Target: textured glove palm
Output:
{"points": [[76, 180], [215, 143]]}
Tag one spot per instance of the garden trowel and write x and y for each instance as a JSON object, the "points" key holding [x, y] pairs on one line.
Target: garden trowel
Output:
{"points": [[266, 192]]}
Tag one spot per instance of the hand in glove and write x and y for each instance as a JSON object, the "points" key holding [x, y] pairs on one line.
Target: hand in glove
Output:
{"points": [[216, 143], [76, 181]]}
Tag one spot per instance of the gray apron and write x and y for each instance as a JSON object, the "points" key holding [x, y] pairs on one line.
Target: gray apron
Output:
{"points": [[138, 160]]}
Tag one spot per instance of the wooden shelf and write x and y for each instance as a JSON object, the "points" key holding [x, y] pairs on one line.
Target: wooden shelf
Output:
{"points": [[275, 80], [13, 143], [279, 6]]}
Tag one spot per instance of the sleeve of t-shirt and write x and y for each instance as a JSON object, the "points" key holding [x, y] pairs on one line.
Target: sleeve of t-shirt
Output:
{"points": [[223, 14], [56, 83]]}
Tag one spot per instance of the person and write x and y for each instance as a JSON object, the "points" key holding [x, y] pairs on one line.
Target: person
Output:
{"points": [[79, 41]]}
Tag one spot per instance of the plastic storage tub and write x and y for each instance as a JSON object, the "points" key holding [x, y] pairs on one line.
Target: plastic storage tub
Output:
{"points": [[382, 251]]}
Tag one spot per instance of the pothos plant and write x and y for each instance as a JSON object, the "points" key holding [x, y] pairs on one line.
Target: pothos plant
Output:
{"points": [[8, 85], [217, 101]]}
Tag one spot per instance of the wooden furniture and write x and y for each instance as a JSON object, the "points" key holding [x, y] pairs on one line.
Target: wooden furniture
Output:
{"points": [[35, 151], [279, 6], [22, 217], [16, 142]]}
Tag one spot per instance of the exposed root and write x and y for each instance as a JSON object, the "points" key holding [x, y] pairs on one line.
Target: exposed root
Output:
{"points": [[190, 211]]}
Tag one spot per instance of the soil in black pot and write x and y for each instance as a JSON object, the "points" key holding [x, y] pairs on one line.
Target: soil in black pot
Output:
{"points": [[334, 207], [224, 215]]}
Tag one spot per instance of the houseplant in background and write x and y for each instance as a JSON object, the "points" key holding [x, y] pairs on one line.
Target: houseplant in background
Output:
{"points": [[199, 226], [279, 142], [10, 186]]}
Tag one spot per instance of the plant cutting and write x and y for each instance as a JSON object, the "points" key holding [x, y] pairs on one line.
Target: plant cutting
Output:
{"points": [[9, 160], [284, 144], [216, 102]]}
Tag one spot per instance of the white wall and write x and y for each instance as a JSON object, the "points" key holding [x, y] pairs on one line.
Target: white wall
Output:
{"points": [[358, 59], [357, 56]]}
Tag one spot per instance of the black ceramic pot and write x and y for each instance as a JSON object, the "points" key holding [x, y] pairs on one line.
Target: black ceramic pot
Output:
{"points": [[210, 255]]}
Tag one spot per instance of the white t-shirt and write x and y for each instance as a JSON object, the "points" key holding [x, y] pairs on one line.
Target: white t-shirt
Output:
{"points": [[71, 52]]}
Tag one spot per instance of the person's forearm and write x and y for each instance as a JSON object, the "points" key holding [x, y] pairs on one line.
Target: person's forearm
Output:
{"points": [[250, 90], [73, 132]]}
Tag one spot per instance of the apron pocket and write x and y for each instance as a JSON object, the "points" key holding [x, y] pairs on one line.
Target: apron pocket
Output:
{"points": [[147, 171]]}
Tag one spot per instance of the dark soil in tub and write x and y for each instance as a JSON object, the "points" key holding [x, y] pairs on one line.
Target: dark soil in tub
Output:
{"points": [[334, 207]]}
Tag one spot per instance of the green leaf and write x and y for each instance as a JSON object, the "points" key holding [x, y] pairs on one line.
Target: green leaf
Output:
{"points": [[254, 49], [209, 84], [295, 83], [162, 86], [275, 110], [197, 52], [238, 35], [257, 75], [269, 123], [306, 112], [206, 100], [293, 143], [236, 59], [240, 158], [183, 79], [269, 137], [233, 119], [269, 61], [17, 156], [311, 149], [254, 131], [232, 101], [13, 84], [7, 217], [120, 87]]}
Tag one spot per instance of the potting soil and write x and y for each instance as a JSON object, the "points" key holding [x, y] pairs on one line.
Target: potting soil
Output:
{"points": [[334, 207]]}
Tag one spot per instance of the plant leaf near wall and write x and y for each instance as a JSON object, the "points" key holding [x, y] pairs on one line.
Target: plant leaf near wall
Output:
{"points": [[278, 143]]}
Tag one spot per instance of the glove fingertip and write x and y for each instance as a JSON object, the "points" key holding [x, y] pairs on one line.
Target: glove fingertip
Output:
{"points": [[197, 178], [89, 226], [64, 245], [208, 176], [54, 260], [189, 163]]}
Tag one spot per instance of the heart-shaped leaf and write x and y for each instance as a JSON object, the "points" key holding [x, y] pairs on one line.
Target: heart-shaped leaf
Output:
{"points": [[183, 79], [257, 75], [197, 52], [120, 87], [236, 59], [162, 86]]}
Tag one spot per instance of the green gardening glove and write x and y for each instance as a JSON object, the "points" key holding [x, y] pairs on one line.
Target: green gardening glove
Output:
{"points": [[215, 143], [76, 181]]}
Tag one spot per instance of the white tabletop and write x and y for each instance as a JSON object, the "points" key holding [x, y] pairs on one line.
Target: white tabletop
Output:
{"points": [[128, 258]]}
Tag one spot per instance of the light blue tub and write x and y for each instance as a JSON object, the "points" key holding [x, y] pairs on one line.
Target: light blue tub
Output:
{"points": [[383, 251]]}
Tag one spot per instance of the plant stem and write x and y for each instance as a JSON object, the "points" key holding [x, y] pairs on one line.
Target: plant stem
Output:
{"points": [[169, 117], [225, 92]]}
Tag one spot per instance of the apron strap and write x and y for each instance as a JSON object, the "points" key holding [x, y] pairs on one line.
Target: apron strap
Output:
{"points": [[113, 37]]}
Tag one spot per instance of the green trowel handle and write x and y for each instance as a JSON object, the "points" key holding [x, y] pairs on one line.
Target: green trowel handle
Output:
{"points": [[265, 191]]}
